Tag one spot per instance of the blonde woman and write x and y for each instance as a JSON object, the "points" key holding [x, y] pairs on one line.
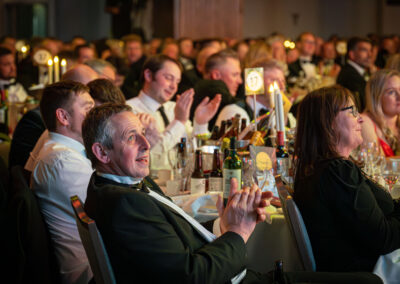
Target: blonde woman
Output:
{"points": [[381, 115]]}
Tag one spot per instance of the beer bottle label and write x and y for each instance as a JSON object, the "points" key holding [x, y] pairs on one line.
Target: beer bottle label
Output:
{"points": [[215, 184], [197, 185]]}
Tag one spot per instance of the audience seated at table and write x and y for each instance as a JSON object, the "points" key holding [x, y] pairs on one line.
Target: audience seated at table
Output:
{"points": [[381, 117], [273, 72], [62, 170], [8, 73], [147, 237], [306, 65], [80, 73], [135, 58], [350, 220], [161, 77]]}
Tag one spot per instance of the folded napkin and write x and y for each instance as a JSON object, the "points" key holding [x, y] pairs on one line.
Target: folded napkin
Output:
{"points": [[388, 267]]}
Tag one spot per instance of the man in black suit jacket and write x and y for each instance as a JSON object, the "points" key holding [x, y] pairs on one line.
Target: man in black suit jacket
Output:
{"points": [[146, 237], [222, 75], [306, 65], [26, 134], [354, 74], [136, 59]]}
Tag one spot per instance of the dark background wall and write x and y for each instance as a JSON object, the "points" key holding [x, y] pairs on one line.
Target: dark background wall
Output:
{"points": [[88, 18]]}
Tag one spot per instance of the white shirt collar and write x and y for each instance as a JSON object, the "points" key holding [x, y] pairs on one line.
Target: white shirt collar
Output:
{"points": [[69, 142], [151, 103], [359, 69], [306, 58], [120, 179], [259, 106], [7, 82]]}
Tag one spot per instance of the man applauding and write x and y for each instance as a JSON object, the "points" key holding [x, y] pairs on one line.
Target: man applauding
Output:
{"points": [[148, 238]]}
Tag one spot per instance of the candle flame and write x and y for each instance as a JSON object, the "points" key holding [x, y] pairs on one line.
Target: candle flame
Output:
{"points": [[63, 62], [276, 86], [50, 62], [24, 49], [271, 88], [56, 59]]}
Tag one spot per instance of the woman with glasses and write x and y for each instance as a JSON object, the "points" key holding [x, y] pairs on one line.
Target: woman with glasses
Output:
{"points": [[381, 115], [350, 220]]}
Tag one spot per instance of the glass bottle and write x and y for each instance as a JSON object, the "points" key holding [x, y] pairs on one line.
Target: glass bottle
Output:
{"points": [[282, 156], [232, 169], [215, 180], [198, 180]]}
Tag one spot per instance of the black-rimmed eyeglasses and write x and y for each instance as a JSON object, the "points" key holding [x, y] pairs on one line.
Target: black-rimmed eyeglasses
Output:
{"points": [[354, 110]]}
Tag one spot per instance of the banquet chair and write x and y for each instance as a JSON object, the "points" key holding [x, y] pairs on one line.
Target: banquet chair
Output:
{"points": [[297, 226], [93, 244], [30, 256]]}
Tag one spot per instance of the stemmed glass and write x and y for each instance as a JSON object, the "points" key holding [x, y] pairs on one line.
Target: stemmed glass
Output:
{"points": [[392, 173], [372, 158], [173, 161]]}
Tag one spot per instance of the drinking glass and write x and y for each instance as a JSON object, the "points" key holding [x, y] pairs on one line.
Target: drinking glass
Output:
{"points": [[391, 173], [173, 161]]}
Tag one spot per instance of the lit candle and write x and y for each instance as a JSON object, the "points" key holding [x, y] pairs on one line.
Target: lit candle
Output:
{"points": [[50, 72], [63, 66], [56, 69], [279, 108], [271, 96]]}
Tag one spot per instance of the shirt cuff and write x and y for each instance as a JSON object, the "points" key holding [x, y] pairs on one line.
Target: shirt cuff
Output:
{"points": [[216, 227], [177, 128], [199, 128]]}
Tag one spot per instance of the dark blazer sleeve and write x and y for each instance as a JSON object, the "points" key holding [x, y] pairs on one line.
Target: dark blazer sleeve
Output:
{"points": [[149, 240], [27, 133], [362, 207]]}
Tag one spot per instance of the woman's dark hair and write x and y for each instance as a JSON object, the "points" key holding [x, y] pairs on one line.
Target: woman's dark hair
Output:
{"points": [[316, 138], [104, 91]]}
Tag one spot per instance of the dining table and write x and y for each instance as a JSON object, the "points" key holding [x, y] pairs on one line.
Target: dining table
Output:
{"points": [[271, 240]]}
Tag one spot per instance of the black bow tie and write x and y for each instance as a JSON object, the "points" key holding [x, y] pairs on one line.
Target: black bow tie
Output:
{"points": [[6, 86], [305, 61], [140, 186]]}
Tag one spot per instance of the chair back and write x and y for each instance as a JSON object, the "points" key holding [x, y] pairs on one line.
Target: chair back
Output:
{"points": [[93, 244], [297, 226], [31, 258]]}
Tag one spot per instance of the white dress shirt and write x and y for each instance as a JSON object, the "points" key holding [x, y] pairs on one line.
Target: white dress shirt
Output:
{"points": [[16, 92], [33, 156], [61, 171], [170, 135], [309, 68]]}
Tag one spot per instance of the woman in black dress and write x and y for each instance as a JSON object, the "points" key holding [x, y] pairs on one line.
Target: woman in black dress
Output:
{"points": [[351, 220]]}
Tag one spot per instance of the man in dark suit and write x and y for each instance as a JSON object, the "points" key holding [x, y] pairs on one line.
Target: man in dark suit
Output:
{"points": [[354, 74], [222, 75], [306, 65], [135, 57], [147, 237], [26, 134], [144, 236], [192, 76]]}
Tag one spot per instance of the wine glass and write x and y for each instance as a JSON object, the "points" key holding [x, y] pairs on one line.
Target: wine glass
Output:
{"points": [[173, 161], [392, 173], [390, 178]]}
